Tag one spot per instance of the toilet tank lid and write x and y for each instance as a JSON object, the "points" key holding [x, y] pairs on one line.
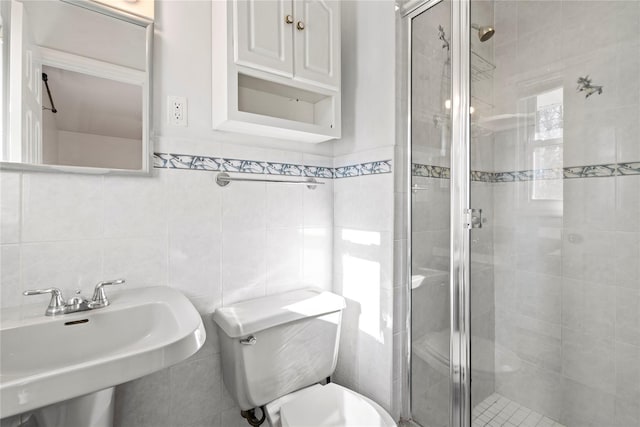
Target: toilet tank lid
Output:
{"points": [[258, 314]]}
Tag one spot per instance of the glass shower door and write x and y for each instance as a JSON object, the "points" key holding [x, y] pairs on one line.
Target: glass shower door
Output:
{"points": [[483, 36], [430, 199], [555, 168]]}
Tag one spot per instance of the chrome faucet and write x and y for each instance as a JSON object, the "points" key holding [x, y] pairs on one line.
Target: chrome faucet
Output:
{"points": [[57, 304]]}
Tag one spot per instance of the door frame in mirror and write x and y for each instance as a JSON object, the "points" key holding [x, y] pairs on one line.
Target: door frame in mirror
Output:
{"points": [[147, 101]]}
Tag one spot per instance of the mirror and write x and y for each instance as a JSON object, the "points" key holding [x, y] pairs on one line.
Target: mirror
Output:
{"points": [[77, 74]]}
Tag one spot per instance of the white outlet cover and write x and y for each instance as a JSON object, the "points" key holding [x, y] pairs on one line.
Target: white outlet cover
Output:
{"points": [[177, 110]]}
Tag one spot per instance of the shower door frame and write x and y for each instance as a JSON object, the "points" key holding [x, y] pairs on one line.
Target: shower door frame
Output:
{"points": [[460, 216]]}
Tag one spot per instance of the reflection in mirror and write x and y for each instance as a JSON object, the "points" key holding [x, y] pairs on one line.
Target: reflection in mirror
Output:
{"points": [[78, 80], [97, 122]]}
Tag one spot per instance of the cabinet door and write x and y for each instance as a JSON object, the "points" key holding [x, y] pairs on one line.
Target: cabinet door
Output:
{"points": [[317, 41], [263, 37]]}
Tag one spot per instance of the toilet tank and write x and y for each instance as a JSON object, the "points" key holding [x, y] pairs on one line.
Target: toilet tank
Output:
{"points": [[274, 345]]}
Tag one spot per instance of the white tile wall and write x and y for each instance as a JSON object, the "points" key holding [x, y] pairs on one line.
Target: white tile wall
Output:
{"points": [[627, 205], [284, 206], [589, 360], [628, 316], [62, 207], [567, 284], [589, 307], [244, 209], [9, 274], [165, 229], [194, 235], [317, 258], [10, 192], [135, 208], [190, 393], [284, 262], [587, 406], [363, 274], [176, 228], [68, 265]]}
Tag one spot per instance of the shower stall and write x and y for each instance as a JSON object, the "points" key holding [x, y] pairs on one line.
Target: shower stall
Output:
{"points": [[523, 199]]}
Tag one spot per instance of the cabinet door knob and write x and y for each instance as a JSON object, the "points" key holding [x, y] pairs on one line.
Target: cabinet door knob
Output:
{"points": [[288, 19], [300, 25]]}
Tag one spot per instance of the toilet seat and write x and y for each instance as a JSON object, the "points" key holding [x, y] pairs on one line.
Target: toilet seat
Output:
{"points": [[330, 405]]}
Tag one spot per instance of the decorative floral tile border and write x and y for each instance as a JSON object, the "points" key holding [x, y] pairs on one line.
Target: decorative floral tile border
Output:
{"points": [[527, 175], [220, 164], [598, 171], [430, 171], [480, 176], [591, 171], [632, 168], [369, 168]]}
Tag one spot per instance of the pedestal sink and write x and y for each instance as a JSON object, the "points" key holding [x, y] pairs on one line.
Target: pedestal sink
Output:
{"points": [[45, 360]]}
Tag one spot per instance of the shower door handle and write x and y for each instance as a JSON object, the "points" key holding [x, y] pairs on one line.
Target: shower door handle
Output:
{"points": [[473, 218]]}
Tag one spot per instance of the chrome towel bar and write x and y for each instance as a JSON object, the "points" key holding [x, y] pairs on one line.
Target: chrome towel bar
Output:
{"points": [[223, 179]]}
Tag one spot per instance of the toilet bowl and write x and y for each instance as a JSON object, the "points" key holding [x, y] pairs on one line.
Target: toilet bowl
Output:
{"points": [[328, 405], [276, 351]]}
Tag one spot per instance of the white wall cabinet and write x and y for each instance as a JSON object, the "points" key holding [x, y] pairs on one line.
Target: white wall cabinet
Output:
{"points": [[317, 45], [276, 68], [263, 38]]}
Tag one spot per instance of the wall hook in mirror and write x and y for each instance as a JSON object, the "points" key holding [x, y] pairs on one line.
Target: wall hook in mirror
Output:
{"points": [[45, 79]]}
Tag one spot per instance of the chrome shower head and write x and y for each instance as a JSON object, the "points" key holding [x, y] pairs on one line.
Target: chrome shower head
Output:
{"points": [[484, 32]]}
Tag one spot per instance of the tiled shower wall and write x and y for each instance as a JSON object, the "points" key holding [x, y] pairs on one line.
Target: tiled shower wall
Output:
{"points": [[566, 266], [568, 301], [567, 274]]}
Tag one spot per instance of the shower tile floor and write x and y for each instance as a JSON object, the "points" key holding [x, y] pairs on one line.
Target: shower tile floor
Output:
{"points": [[498, 411]]}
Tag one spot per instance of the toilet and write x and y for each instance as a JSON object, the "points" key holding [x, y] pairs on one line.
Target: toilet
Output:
{"points": [[278, 353]]}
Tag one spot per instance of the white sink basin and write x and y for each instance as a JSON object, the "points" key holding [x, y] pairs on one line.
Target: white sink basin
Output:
{"points": [[45, 360]]}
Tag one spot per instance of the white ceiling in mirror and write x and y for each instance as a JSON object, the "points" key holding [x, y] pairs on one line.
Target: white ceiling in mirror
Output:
{"points": [[144, 8], [70, 28]]}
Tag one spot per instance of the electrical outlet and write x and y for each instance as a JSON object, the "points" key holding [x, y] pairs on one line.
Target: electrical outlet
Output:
{"points": [[177, 110]]}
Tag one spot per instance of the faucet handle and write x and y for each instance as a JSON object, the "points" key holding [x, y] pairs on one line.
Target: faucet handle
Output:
{"points": [[99, 297], [56, 305]]}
